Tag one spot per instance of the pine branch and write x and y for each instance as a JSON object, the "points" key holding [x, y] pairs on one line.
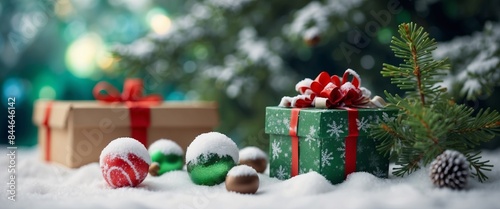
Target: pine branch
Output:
{"points": [[418, 73], [416, 67], [428, 122], [479, 167]]}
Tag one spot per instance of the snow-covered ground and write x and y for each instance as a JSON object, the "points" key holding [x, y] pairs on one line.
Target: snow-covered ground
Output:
{"points": [[41, 185]]}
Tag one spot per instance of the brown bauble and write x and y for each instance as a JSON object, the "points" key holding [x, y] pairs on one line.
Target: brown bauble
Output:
{"points": [[259, 164], [153, 169], [312, 41], [242, 179], [253, 157]]}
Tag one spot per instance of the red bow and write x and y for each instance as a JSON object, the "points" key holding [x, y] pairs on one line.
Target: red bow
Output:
{"points": [[329, 91], [132, 93]]}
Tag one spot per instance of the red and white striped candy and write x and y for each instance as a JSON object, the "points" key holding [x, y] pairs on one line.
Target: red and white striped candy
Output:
{"points": [[124, 163]]}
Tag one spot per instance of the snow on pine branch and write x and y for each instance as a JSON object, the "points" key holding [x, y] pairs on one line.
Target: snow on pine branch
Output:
{"points": [[257, 50], [236, 70], [315, 17], [260, 54], [475, 62], [233, 5]]}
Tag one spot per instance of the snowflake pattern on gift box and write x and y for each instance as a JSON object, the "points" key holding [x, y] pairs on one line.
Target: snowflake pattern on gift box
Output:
{"points": [[342, 150], [276, 149], [374, 161], [362, 124], [286, 122], [360, 148], [316, 162], [326, 158], [386, 118], [281, 173], [305, 170], [379, 173], [334, 129], [310, 136]]}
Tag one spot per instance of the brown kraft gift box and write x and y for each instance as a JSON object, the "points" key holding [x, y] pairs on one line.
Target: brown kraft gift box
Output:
{"points": [[79, 130]]}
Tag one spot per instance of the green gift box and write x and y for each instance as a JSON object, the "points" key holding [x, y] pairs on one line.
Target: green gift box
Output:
{"points": [[332, 142]]}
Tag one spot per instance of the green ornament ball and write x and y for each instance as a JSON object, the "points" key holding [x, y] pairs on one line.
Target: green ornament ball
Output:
{"points": [[166, 155], [210, 157], [210, 171]]}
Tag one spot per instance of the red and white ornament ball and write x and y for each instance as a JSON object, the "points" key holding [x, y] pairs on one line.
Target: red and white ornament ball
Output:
{"points": [[124, 162]]}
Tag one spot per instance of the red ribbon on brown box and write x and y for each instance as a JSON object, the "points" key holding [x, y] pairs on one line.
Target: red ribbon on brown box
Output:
{"points": [[132, 96]]}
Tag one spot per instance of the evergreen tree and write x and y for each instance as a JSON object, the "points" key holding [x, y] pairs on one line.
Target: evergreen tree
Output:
{"points": [[429, 122]]}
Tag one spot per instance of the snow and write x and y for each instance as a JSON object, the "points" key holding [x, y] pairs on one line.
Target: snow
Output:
{"points": [[212, 142], [42, 185], [475, 61], [242, 170], [257, 49], [354, 74], [252, 153], [140, 48], [347, 86], [315, 17], [234, 5], [124, 145], [166, 147]]}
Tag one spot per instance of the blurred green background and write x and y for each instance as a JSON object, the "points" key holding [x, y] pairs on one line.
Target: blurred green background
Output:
{"points": [[59, 49]]}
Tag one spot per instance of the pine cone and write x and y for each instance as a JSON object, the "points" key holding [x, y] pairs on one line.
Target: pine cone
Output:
{"points": [[450, 169]]}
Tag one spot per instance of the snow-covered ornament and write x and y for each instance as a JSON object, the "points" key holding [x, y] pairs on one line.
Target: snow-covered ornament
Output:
{"points": [[166, 155], [124, 162], [242, 179], [254, 157], [209, 157], [450, 169], [312, 36]]}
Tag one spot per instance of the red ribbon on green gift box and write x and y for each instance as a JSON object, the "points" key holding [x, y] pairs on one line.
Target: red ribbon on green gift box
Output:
{"points": [[350, 141], [330, 92]]}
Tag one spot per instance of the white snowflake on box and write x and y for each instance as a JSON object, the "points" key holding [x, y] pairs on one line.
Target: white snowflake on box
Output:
{"points": [[360, 149], [310, 136], [374, 161], [276, 149], [305, 170], [379, 173], [386, 118], [326, 157], [362, 124], [316, 162], [281, 173], [286, 122], [341, 148], [333, 128]]}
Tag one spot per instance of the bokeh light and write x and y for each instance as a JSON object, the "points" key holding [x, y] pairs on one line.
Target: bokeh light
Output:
{"points": [[384, 35], [47, 85], [47, 92], [367, 62], [82, 55], [63, 8], [200, 51], [14, 87], [158, 20], [106, 62], [189, 66]]}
